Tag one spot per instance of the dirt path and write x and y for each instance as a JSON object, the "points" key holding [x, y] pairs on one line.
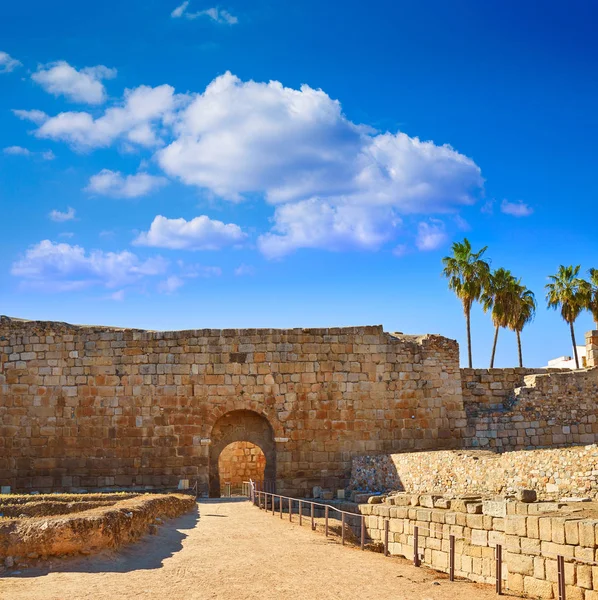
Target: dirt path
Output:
{"points": [[235, 551]]}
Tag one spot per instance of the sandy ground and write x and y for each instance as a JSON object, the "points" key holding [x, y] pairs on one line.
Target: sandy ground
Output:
{"points": [[230, 549]]}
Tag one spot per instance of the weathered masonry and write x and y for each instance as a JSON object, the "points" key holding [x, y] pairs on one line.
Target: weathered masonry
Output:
{"points": [[98, 407], [93, 407]]}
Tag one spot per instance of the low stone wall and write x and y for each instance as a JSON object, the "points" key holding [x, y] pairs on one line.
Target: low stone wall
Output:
{"points": [[553, 473], [550, 409], [88, 531], [531, 535], [489, 387]]}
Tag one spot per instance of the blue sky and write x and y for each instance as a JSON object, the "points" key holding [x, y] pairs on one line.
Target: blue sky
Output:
{"points": [[284, 164]]}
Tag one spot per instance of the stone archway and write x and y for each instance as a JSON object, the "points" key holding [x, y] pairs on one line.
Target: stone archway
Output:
{"points": [[241, 426]]}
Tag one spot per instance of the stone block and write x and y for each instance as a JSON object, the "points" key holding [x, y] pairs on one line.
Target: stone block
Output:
{"points": [[479, 537], [516, 525], [519, 563], [526, 495], [538, 588], [572, 532], [495, 508]]}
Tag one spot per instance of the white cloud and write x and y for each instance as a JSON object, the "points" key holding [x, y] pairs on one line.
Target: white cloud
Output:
{"points": [[216, 14], [20, 151], [336, 184], [196, 270], [179, 10], [66, 234], [430, 235], [17, 151], [63, 267], [36, 116], [200, 233], [61, 217], [516, 209], [340, 183], [170, 284], [244, 269], [112, 183], [61, 79], [8, 63], [136, 120], [317, 224], [118, 296]]}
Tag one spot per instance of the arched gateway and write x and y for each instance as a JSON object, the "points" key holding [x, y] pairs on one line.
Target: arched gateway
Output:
{"points": [[241, 426]]}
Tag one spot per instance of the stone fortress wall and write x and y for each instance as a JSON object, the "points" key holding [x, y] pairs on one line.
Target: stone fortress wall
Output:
{"points": [[95, 407]]}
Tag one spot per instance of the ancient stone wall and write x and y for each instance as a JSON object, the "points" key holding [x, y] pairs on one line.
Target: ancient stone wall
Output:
{"points": [[241, 461], [95, 407], [552, 473], [550, 409], [483, 388]]}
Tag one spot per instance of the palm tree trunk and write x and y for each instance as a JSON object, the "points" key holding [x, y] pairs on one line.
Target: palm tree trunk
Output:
{"points": [[468, 320], [494, 347], [519, 349], [574, 345]]}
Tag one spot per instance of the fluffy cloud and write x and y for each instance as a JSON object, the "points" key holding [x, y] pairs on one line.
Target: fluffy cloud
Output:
{"points": [[135, 120], [200, 233], [17, 151], [430, 235], [112, 183], [244, 269], [216, 14], [35, 116], [60, 79], [170, 284], [243, 137], [316, 224], [335, 184], [61, 217], [8, 63], [20, 151], [63, 267], [516, 209]]}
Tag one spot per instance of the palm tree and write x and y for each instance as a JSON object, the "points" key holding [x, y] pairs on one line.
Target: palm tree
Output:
{"points": [[593, 295], [467, 274], [570, 293], [523, 313], [499, 296]]}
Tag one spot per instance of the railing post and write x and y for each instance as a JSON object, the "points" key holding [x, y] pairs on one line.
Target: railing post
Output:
{"points": [[300, 512], [326, 520], [343, 528], [363, 532], [386, 522], [280, 504], [313, 516], [452, 558], [273, 503], [290, 510], [416, 561], [498, 556], [560, 563]]}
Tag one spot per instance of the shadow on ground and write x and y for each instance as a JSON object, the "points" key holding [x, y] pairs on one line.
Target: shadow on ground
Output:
{"points": [[148, 553]]}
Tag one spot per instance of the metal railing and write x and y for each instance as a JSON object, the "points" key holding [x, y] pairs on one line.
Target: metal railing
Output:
{"points": [[269, 501]]}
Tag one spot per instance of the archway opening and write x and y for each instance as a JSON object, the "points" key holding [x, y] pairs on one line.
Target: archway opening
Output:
{"points": [[240, 462], [253, 430]]}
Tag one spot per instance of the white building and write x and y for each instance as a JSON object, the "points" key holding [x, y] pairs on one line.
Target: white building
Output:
{"points": [[568, 362]]}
